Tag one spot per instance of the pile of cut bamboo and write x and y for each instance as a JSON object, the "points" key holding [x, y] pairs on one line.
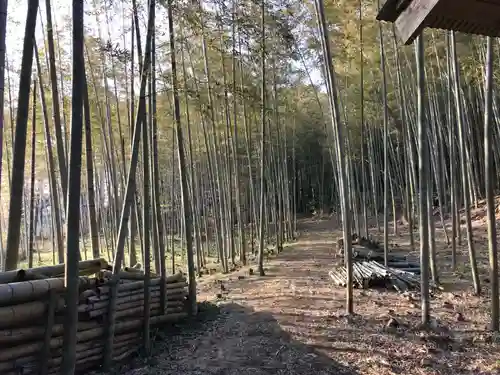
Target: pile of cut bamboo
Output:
{"points": [[32, 310], [368, 274], [369, 271], [370, 249]]}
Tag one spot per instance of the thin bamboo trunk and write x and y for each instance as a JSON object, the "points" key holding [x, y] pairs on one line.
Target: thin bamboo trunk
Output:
{"points": [[423, 165], [73, 200], [32, 184], [488, 175], [61, 157], [262, 140], [19, 153], [50, 160], [186, 200], [3, 36], [463, 159], [337, 128], [94, 233]]}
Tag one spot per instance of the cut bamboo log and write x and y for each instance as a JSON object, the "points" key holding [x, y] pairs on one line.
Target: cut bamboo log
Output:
{"points": [[50, 271], [86, 294], [29, 311], [104, 289], [125, 275], [155, 311], [121, 343], [94, 313], [136, 267], [12, 293], [14, 336], [38, 349], [172, 295], [84, 350], [93, 361], [372, 273], [83, 336], [172, 288]]}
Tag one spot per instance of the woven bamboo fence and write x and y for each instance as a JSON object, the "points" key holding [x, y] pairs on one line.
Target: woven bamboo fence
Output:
{"points": [[32, 308]]}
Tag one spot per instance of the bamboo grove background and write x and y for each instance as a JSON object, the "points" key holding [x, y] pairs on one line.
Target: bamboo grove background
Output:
{"points": [[183, 134]]}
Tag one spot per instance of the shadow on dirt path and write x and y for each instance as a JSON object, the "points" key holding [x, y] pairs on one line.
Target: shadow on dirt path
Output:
{"points": [[242, 333], [292, 321], [235, 339]]}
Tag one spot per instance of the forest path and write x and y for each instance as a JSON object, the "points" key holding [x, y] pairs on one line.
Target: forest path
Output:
{"points": [[292, 321]]}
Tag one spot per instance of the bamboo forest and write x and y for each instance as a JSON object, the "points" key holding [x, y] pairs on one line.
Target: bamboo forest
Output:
{"points": [[247, 187]]}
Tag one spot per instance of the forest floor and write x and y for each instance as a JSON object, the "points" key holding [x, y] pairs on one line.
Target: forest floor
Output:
{"points": [[292, 321]]}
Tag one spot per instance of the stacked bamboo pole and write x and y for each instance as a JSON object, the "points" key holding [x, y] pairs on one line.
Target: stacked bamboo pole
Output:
{"points": [[369, 249], [368, 274], [32, 311], [368, 271]]}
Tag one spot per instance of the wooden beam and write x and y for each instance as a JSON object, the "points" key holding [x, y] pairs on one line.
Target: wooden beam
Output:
{"points": [[411, 21], [481, 17], [387, 11], [391, 9]]}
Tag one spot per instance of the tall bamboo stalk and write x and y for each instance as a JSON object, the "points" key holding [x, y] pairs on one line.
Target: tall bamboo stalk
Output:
{"points": [[73, 200], [19, 153], [186, 199], [423, 166], [262, 139], [340, 152], [3, 37], [489, 172]]}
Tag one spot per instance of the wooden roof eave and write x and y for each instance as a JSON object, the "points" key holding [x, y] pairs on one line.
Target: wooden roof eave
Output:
{"points": [[391, 9]]}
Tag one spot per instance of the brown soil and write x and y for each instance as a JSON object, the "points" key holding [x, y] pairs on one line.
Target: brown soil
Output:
{"points": [[292, 320]]}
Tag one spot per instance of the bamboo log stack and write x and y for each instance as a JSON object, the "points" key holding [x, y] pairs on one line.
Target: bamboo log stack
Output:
{"points": [[370, 249], [32, 307], [368, 243], [370, 274]]}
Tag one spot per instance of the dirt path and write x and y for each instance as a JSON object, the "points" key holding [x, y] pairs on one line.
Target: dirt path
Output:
{"points": [[292, 322]]}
